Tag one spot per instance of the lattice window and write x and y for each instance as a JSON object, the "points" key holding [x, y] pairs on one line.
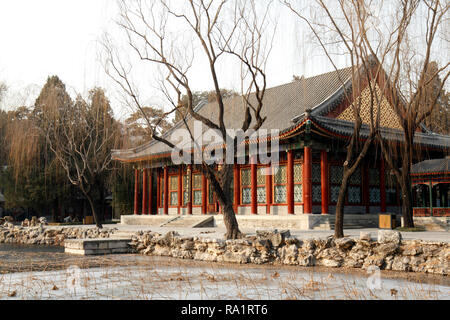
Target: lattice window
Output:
{"points": [[336, 174], [185, 182], [354, 195], [355, 178], [261, 176], [280, 194], [173, 183], [374, 177], [298, 193], [280, 177], [334, 193], [246, 177], [298, 173], [317, 193], [279, 182], [174, 198], [261, 194], [315, 171], [197, 189], [197, 183], [246, 195], [374, 195], [185, 198]]}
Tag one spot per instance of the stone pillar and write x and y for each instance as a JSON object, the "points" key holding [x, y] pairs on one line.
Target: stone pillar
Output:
{"points": [[150, 192], [166, 190], [254, 182], [136, 191], [237, 185], [268, 189], [307, 187], [204, 198], [144, 191], [382, 186], [290, 182], [190, 189], [324, 180]]}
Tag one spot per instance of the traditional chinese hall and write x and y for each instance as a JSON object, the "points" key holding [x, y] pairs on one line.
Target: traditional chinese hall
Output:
{"points": [[315, 120]]}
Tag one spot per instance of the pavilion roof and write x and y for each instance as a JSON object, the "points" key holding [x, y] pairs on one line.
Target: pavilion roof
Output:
{"points": [[434, 166]]}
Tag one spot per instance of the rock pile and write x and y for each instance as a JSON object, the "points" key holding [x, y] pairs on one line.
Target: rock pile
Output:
{"points": [[388, 253], [38, 234]]}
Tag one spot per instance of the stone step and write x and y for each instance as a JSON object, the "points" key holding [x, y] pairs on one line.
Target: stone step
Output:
{"points": [[85, 247]]}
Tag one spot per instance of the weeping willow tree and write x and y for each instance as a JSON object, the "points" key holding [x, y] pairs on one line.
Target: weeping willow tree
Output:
{"points": [[32, 178], [80, 134]]}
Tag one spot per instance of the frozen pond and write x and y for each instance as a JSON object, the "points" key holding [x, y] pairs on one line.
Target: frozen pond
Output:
{"points": [[141, 277]]}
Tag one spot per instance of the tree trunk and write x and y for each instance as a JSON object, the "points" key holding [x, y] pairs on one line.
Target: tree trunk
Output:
{"points": [[229, 218], [339, 220], [94, 212], [407, 211]]}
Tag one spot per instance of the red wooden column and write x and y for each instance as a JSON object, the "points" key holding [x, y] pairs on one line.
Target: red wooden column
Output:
{"points": [[158, 191], [268, 188], [324, 180], [307, 187], [166, 190], [254, 183], [290, 182], [144, 191], [136, 191], [236, 187], [204, 199], [150, 192], [190, 189], [382, 186], [180, 189]]}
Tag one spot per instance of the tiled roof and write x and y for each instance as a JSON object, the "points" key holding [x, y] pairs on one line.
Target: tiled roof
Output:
{"points": [[432, 166], [345, 128], [281, 105]]}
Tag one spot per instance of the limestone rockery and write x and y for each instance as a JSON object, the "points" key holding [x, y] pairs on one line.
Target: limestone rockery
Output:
{"points": [[40, 235], [389, 252]]}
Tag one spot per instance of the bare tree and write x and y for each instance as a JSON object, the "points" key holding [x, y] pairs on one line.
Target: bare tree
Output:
{"points": [[220, 29], [341, 29], [363, 34], [81, 135], [410, 76]]}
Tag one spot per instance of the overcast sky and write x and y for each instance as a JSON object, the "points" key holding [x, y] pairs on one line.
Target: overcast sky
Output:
{"points": [[40, 38]]}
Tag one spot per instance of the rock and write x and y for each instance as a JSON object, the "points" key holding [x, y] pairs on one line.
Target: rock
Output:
{"points": [[331, 263], [385, 236], [365, 236], [26, 223], [344, 243], [276, 238], [43, 220]]}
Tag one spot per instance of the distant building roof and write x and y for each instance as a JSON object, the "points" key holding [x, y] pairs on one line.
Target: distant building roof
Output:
{"points": [[434, 166]]}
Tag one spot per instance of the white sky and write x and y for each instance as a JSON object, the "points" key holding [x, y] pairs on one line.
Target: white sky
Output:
{"points": [[40, 38]]}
